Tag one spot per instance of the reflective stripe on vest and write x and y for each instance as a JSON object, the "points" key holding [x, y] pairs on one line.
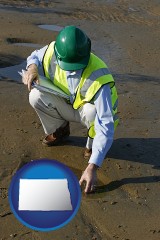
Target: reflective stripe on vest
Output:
{"points": [[47, 59], [53, 71], [94, 75]]}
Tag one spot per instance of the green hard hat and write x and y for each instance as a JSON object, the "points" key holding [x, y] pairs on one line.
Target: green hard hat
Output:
{"points": [[72, 49]]}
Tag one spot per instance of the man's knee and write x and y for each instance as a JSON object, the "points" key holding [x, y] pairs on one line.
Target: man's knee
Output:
{"points": [[34, 97]]}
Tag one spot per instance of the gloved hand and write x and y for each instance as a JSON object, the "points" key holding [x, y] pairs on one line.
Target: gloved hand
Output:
{"points": [[30, 75]]}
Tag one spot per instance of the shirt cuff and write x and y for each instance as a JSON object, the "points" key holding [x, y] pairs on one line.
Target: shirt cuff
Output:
{"points": [[97, 156], [32, 61], [96, 159]]}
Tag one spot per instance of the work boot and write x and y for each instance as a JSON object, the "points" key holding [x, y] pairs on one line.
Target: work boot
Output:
{"points": [[56, 137], [87, 153]]}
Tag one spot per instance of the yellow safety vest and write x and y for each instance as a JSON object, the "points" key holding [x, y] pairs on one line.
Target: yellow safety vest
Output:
{"points": [[94, 76]]}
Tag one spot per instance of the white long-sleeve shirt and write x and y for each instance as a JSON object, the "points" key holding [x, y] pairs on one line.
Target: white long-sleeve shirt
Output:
{"points": [[104, 124]]}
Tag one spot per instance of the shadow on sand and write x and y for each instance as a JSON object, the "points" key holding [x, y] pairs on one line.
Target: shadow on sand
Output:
{"points": [[140, 150], [119, 183]]}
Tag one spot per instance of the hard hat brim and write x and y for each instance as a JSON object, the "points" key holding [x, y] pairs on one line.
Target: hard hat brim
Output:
{"points": [[73, 66]]}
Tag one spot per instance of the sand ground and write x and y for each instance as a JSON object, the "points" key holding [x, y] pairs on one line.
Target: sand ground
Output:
{"points": [[126, 34]]}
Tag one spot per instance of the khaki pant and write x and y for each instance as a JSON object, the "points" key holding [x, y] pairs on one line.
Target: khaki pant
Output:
{"points": [[54, 112]]}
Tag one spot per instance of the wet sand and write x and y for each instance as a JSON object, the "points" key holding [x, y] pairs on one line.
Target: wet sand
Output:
{"points": [[126, 35]]}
